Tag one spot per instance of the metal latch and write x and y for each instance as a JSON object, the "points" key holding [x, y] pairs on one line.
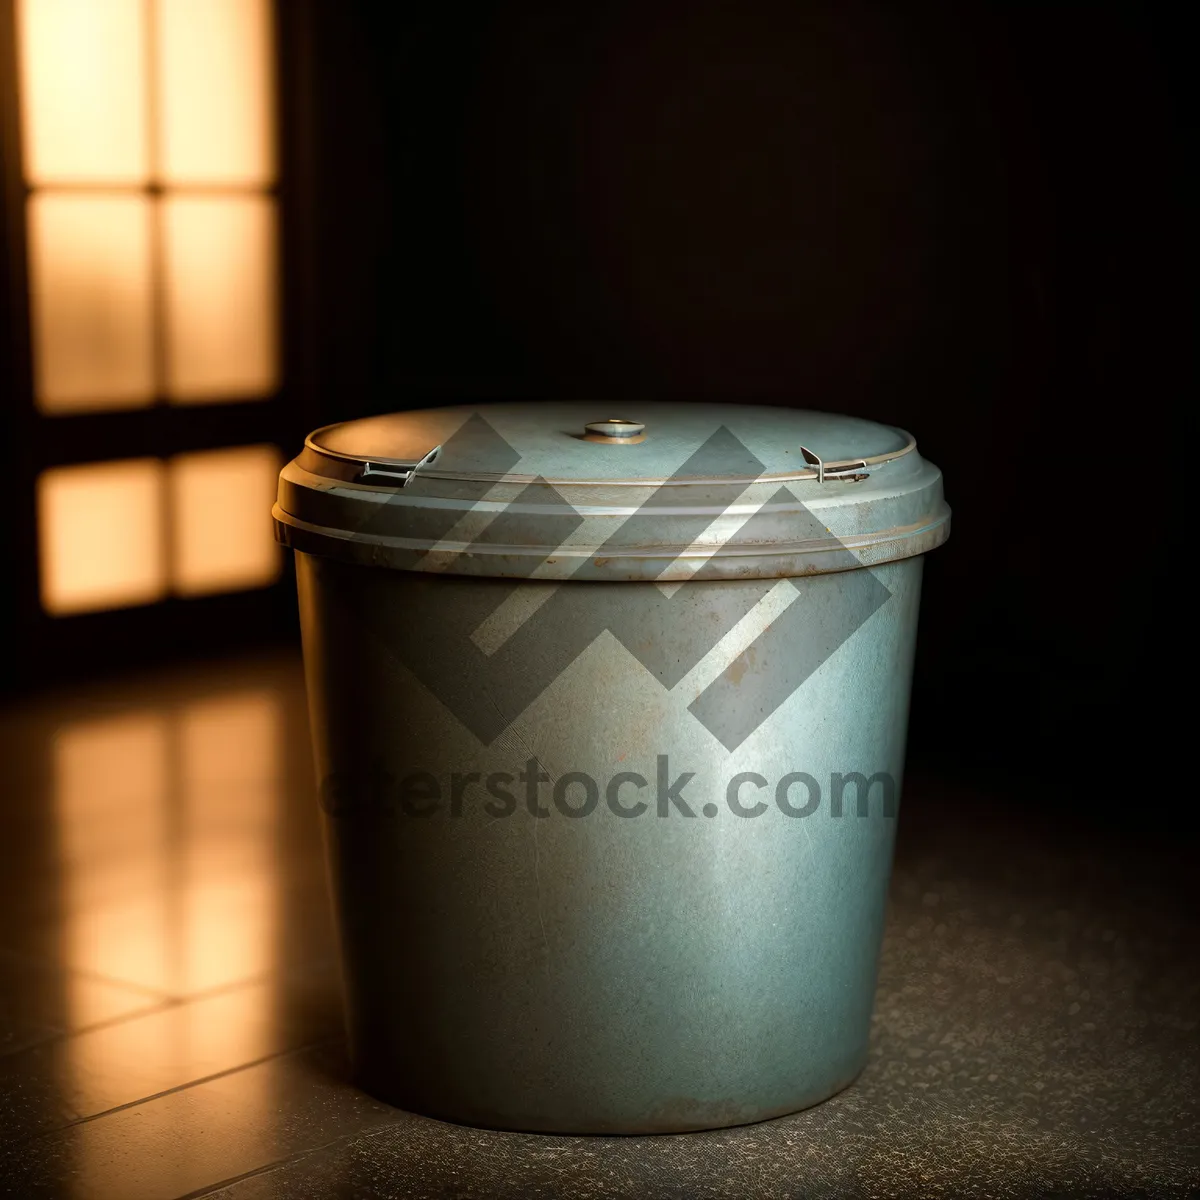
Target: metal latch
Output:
{"points": [[850, 472], [392, 473]]}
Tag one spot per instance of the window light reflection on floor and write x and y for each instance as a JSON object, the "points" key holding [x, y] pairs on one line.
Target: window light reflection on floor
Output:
{"points": [[166, 827]]}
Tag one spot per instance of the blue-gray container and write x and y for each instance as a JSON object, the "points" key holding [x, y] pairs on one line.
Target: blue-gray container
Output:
{"points": [[609, 716]]}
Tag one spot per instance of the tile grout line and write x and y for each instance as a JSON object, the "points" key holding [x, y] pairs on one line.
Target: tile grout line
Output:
{"points": [[211, 1189], [48, 962], [182, 1087], [156, 1002]]}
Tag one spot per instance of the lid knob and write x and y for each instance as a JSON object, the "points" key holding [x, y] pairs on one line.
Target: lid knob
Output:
{"points": [[615, 431]]}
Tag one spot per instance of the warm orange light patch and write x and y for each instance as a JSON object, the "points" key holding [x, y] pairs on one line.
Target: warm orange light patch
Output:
{"points": [[101, 537], [221, 513]]}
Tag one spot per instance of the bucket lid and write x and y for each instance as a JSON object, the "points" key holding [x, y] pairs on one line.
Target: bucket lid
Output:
{"points": [[663, 491]]}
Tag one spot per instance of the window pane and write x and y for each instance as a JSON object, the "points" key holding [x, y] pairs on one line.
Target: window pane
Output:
{"points": [[220, 297], [100, 532], [215, 87], [221, 511], [90, 295], [83, 73]]}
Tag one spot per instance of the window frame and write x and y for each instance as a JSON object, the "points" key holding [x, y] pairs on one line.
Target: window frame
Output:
{"points": [[47, 649]]}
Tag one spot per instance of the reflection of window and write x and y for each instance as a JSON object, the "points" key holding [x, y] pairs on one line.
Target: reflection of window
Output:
{"points": [[166, 823], [151, 217]]}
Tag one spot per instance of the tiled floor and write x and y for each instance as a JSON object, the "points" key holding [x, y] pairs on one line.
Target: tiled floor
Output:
{"points": [[169, 1006], [170, 1022]]}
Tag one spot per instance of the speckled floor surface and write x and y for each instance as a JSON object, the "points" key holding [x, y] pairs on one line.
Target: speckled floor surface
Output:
{"points": [[170, 1022]]}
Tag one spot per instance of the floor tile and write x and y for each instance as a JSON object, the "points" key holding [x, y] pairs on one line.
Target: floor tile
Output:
{"points": [[165, 836], [40, 1000], [188, 1140], [59, 1081], [1035, 1026]]}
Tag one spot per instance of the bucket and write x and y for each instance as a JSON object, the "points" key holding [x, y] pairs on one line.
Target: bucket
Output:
{"points": [[609, 717]]}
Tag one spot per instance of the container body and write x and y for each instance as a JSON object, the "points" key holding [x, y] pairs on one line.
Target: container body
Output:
{"points": [[608, 857]]}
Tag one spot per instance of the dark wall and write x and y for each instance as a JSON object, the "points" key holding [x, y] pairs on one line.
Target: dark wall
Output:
{"points": [[963, 219]]}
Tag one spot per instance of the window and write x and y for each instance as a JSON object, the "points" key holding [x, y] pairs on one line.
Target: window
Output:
{"points": [[151, 231], [127, 532]]}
